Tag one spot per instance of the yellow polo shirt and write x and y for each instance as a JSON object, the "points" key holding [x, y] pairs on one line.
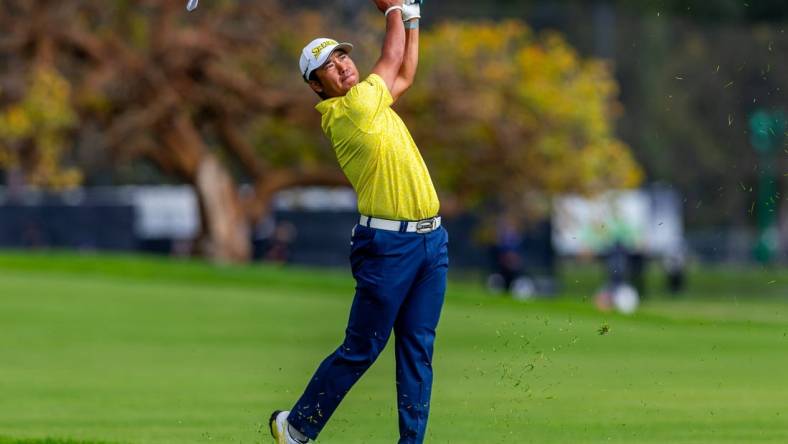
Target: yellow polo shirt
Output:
{"points": [[377, 153]]}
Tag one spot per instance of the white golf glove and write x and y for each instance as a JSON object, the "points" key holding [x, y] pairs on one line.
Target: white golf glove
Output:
{"points": [[411, 9]]}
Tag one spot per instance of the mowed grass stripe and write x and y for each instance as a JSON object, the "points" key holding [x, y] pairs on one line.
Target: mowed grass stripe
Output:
{"points": [[728, 282], [144, 358], [6, 440]]}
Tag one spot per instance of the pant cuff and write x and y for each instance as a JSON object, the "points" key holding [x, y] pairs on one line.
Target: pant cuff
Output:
{"points": [[302, 426]]}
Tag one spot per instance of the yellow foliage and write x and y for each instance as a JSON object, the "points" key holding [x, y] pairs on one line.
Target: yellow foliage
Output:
{"points": [[40, 121], [515, 112]]}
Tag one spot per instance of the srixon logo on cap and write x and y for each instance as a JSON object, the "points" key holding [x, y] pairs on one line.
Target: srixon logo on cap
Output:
{"points": [[319, 48]]}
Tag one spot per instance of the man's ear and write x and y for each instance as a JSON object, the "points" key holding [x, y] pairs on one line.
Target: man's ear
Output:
{"points": [[316, 86]]}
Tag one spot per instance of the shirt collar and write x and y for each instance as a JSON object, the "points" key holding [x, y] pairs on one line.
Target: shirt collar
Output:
{"points": [[326, 105]]}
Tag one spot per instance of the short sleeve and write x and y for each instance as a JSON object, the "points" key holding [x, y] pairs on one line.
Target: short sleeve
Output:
{"points": [[365, 101]]}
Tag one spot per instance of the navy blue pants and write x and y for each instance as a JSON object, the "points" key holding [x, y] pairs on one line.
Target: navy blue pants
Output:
{"points": [[400, 285]]}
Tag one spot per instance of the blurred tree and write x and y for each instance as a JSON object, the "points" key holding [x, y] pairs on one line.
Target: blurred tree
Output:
{"points": [[147, 84], [690, 91], [33, 132], [556, 13], [214, 99], [690, 71], [501, 113], [715, 11]]}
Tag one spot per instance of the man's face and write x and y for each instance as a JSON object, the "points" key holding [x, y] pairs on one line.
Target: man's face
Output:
{"points": [[337, 76]]}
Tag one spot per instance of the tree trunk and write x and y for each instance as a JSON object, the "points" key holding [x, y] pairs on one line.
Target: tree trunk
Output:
{"points": [[225, 225], [226, 230]]}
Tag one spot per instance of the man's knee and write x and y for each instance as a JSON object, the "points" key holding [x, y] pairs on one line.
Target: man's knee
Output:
{"points": [[418, 341], [362, 351]]}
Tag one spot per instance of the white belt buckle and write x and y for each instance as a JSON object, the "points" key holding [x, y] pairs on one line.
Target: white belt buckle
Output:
{"points": [[425, 226]]}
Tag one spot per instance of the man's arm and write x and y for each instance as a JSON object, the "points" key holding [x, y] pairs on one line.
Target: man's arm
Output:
{"points": [[390, 61], [407, 72]]}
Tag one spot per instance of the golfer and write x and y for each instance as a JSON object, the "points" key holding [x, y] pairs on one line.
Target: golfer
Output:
{"points": [[398, 248]]}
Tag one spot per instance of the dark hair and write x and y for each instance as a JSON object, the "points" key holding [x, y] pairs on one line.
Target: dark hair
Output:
{"points": [[313, 77]]}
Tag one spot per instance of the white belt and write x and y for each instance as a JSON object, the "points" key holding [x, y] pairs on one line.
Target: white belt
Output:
{"points": [[419, 226]]}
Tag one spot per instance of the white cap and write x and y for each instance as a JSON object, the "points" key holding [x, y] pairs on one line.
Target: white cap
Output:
{"points": [[317, 52]]}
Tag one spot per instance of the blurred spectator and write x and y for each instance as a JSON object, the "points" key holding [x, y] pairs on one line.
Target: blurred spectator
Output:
{"points": [[637, 268], [675, 265], [507, 260], [508, 263], [32, 236], [617, 264], [623, 267], [280, 243]]}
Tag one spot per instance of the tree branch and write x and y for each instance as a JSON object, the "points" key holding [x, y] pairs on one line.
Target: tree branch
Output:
{"points": [[87, 44], [240, 148], [183, 143], [240, 85], [284, 178], [139, 119]]}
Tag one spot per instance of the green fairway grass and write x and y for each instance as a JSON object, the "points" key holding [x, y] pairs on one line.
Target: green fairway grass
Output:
{"points": [[120, 349], [44, 441]]}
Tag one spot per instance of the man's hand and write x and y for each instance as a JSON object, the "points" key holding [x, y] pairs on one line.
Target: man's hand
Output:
{"points": [[384, 5], [411, 10]]}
